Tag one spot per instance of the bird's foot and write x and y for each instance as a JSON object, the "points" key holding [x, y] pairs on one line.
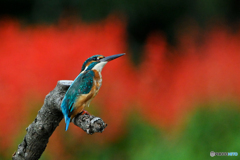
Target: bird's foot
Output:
{"points": [[85, 112]]}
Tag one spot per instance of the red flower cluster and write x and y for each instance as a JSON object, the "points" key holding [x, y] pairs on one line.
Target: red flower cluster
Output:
{"points": [[163, 87]]}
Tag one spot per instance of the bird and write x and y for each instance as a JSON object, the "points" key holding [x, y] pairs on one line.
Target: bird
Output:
{"points": [[85, 87]]}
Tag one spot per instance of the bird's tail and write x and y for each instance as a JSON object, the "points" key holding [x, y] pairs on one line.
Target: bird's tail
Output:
{"points": [[67, 121]]}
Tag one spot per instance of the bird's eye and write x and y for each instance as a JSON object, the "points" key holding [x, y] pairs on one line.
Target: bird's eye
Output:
{"points": [[95, 58], [98, 58]]}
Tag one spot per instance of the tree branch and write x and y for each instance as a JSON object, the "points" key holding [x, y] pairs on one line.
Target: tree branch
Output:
{"points": [[48, 118]]}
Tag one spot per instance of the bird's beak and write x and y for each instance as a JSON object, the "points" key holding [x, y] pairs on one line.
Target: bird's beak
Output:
{"points": [[109, 58]]}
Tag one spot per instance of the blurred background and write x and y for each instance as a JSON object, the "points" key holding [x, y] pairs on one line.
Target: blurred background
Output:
{"points": [[175, 95]]}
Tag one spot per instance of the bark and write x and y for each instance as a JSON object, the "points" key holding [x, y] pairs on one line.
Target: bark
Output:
{"points": [[48, 118]]}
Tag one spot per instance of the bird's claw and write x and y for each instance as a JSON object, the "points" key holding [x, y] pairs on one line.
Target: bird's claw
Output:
{"points": [[85, 112]]}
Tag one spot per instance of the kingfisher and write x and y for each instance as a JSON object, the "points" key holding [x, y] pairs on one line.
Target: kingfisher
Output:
{"points": [[85, 87]]}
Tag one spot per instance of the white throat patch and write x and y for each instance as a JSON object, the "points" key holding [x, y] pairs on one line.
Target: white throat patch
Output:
{"points": [[99, 66]]}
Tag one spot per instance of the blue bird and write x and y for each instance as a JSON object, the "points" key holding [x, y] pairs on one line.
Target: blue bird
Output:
{"points": [[85, 87]]}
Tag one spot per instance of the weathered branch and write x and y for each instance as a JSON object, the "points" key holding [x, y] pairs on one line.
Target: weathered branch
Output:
{"points": [[48, 118]]}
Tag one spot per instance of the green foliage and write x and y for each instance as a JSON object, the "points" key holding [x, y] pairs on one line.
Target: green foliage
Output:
{"points": [[213, 130], [208, 130]]}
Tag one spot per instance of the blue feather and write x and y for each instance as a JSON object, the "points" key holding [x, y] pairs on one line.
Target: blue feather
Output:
{"points": [[65, 113], [81, 85], [67, 121]]}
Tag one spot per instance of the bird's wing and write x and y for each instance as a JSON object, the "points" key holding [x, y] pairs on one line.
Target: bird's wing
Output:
{"points": [[81, 85]]}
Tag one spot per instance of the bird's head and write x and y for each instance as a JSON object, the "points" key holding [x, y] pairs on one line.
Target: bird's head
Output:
{"points": [[97, 62]]}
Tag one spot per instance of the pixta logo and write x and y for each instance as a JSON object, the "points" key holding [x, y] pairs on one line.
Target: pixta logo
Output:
{"points": [[212, 153]]}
